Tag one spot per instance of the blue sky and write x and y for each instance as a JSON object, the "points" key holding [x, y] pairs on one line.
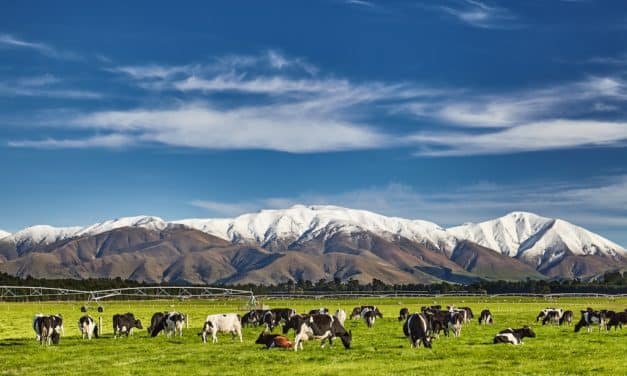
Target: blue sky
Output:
{"points": [[450, 111]]}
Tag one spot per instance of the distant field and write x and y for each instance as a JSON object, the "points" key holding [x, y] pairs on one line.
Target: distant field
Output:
{"points": [[378, 351]]}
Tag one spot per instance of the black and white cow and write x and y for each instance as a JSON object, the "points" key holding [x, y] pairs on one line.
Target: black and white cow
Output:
{"points": [[416, 329], [567, 318], [252, 317], [438, 321], [47, 329], [319, 311], [369, 316], [87, 327], [486, 317], [170, 323], [273, 340], [514, 336], [403, 314], [358, 310], [155, 320], [590, 317], [270, 320], [295, 322], [340, 315], [221, 323], [552, 317], [323, 327], [454, 321], [617, 320], [283, 314], [545, 312], [468, 315], [124, 324]]}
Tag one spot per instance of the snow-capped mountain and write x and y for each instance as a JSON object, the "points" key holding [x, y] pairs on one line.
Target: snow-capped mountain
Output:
{"points": [[300, 223], [4, 234], [40, 235], [535, 239]]}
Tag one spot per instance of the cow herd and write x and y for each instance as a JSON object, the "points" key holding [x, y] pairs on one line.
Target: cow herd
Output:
{"points": [[420, 328]]}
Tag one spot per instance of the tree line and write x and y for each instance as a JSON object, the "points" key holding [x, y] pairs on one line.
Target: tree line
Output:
{"points": [[609, 283]]}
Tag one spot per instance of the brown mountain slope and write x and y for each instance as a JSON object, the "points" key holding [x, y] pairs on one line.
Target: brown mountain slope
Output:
{"points": [[189, 256], [484, 261]]}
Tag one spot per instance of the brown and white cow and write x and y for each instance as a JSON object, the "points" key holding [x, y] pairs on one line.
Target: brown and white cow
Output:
{"points": [[273, 340]]}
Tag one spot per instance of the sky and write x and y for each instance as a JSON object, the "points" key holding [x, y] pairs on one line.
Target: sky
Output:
{"points": [[451, 111]]}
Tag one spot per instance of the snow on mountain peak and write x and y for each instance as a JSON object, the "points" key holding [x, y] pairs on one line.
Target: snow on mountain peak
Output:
{"points": [[143, 221], [301, 221], [42, 234], [4, 234]]}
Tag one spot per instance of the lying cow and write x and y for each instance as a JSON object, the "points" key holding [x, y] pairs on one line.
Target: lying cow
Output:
{"points": [[273, 340], [322, 327], [124, 324], [403, 314], [486, 317], [416, 329], [514, 336], [87, 327], [170, 323], [221, 323]]}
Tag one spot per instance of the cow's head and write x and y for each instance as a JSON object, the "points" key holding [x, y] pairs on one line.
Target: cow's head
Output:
{"points": [[261, 340], [138, 324], [346, 338], [527, 332], [427, 341]]}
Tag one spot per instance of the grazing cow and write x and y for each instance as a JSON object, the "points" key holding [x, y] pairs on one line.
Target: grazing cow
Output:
{"points": [[369, 317], [340, 315], [283, 314], [617, 320], [403, 314], [552, 317], [567, 318], [437, 321], [155, 320], [416, 329], [273, 340], [252, 317], [358, 310], [589, 317], [542, 315], [319, 311], [124, 324], [432, 308], [294, 323], [322, 327], [514, 336], [171, 323], [486, 317], [88, 327], [46, 329], [454, 322], [223, 323], [468, 314], [270, 320]]}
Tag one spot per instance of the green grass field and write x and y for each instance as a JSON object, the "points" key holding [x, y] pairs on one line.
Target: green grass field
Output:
{"points": [[382, 350]]}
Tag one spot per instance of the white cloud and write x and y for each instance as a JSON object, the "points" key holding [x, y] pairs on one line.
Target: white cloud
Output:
{"points": [[479, 14], [107, 141], [9, 41], [542, 135]]}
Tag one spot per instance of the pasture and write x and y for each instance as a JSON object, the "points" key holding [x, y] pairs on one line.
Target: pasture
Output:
{"points": [[382, 350]]}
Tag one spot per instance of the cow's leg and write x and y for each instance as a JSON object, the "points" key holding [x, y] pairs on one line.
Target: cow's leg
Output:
{"points": [[297, 341]]}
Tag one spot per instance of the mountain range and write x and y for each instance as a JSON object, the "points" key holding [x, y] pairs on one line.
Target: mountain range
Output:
{"points": [[310, 243]]}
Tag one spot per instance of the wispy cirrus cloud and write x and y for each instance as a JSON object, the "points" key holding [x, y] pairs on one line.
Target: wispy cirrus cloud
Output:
{"points": [[274, 107], [47, 86], [106, 141], [10, 41], [479, 14]]}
